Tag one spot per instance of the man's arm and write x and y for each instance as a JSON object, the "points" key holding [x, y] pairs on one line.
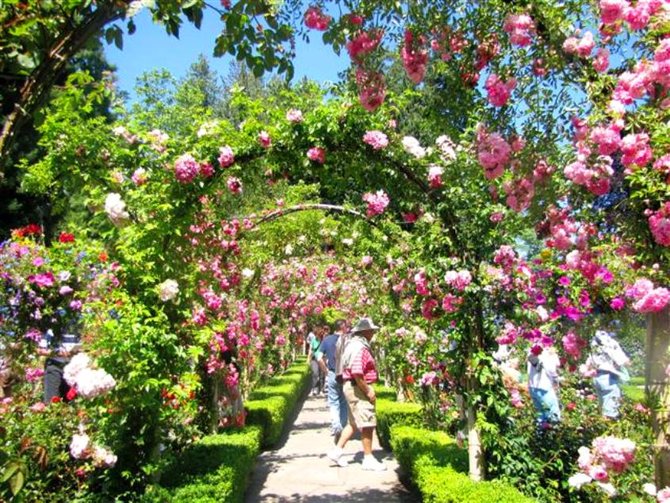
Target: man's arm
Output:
{"points": [[365, 388]]}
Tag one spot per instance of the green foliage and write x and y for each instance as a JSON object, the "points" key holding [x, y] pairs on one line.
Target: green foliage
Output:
{"points": [[214, 468], [633, 392], [271, 406], [391, 413], [410, 444], [445, 485]]}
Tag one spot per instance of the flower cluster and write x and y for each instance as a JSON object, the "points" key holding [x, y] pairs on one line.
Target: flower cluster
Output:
{"points": [[82, 448], [377, 202], [646, 297], [88, 382], [498, 90], [317, 154], [168, 290], [376, 139], [607, 455], [414, 56], [520, 28], [316, 19], [659, 224]]}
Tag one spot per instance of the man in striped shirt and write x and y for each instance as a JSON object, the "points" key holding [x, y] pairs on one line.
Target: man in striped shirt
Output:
{"points": [[359, 372]]}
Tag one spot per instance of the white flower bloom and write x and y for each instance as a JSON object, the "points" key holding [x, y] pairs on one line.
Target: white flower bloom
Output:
{"points": [[347, 241], [168, 290], [578, 480], [428, 218], [79, 446], [247, 273], [288, 250], [302, 238], [116, 208], [413, 147], [608, 488], [93, 382], [649, 488], [79, 362], [103, 457], [447, 147]]}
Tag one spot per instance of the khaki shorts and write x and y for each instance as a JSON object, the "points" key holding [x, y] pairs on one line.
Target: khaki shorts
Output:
{"points": [[361, 411]]}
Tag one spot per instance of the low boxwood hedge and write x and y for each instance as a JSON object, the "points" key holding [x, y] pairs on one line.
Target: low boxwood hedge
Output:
{"points": [[390, 413], [271, 405], [211, 470], [443, 484], [438, 467], [216, 468], [410, 443]]}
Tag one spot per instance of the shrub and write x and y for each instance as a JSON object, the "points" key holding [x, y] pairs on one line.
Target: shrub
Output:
{"points": [[633, 392], [411, 443], [386, 393], [210, 470], [396, 413], [271, 405], [442, 484]]}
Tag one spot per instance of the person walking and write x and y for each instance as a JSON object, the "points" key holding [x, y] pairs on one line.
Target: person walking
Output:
{"points": [[359, 373], [608, 364], [334, 391], [318, 376], [542, 383]]}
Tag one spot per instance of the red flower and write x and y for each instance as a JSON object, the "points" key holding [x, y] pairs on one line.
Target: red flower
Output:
{"points": [[56, 399], [102, 257], [66, 237], [71, 393], [409, 379]]}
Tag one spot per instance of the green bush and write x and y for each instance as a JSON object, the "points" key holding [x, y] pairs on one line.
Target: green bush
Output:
{"points": [[442, 484], [396, 413], [633, 392], [386, 393], [411, 443], [210, 470], [636, 381], [270, 405]]}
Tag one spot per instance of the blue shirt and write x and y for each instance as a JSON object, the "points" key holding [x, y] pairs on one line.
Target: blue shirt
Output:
{"points": [[328, 348]]}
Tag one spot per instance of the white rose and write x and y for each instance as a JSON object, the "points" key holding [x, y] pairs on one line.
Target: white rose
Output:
{"points": [[168, 290], [116, 208]]}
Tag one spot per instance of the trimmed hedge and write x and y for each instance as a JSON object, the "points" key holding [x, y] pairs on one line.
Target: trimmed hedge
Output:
{"points": [[633, 393], [410, 443], [216, 468], [396, 413], [386, 393], [436, 463], [213, 469], [443, 484], [270, 406]]}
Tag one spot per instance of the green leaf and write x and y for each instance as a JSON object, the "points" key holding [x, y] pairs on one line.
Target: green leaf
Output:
{"points": [[10, 470], [16, 482]]}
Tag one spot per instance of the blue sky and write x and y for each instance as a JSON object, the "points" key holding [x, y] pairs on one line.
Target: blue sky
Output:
{"points": [[150, 48]]}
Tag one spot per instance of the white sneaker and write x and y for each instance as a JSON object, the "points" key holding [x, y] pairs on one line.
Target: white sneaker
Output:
{"points": [[370, 463], [336, 457]]}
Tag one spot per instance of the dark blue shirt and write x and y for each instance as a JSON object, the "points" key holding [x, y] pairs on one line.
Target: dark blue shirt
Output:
{"points": [[328, 346]]}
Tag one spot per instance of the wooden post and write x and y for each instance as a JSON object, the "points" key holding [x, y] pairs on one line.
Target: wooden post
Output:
{"points": [[657, 389], [475, 452]]}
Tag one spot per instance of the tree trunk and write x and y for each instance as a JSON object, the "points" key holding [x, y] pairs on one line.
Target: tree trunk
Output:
{"points": [[475, 452], [658, 390]]}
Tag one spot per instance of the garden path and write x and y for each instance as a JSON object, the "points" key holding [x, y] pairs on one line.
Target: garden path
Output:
{"points": [[299, 471]]}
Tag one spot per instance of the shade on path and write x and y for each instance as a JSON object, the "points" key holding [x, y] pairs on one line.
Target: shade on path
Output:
{"points": [[299, 471]]}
